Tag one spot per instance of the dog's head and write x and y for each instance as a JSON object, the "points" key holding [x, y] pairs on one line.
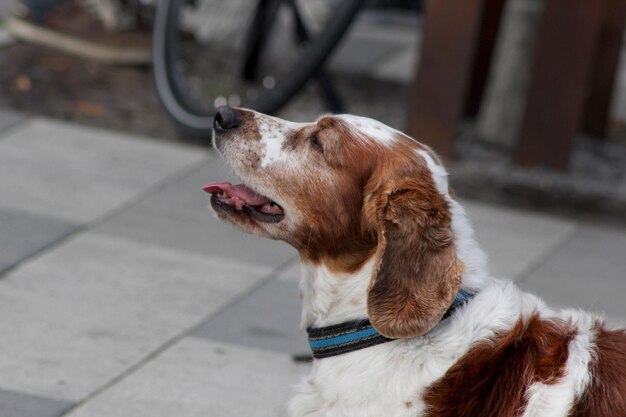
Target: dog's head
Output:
{"points": [[342, 190]]}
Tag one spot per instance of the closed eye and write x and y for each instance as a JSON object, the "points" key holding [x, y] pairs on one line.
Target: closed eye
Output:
{"points": [[315, 142]]}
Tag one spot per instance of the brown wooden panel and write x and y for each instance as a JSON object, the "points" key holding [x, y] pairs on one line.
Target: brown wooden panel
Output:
{"points": [[598, 105], [568, 33], [439, 90], [487, 36]]}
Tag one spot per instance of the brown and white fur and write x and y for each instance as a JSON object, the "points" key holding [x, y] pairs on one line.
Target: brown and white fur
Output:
{"points": [[380, 236]]}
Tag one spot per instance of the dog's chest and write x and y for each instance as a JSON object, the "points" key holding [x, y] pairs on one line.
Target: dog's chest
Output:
{"points": [[380, 381]]}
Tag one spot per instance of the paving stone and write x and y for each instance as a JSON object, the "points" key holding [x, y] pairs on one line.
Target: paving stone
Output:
{"points": [[614, 322], [8, 118], [76, 317], [514, 240], [17, 404], [371, 43], [589, 272], [398, 68], [7, 7], [268, 318], [77, 173], [22, 235], [291, 272], [197, 378], [359, 54], [178, 216]]}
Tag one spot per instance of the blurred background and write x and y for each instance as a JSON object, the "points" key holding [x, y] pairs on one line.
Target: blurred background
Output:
{"points": [[120, 295]]}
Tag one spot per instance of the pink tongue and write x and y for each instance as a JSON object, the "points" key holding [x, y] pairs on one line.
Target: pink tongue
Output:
{"points": [[240, 191]]}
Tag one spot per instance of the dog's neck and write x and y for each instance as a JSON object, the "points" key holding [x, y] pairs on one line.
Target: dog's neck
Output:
{"points": [[329, 297]]}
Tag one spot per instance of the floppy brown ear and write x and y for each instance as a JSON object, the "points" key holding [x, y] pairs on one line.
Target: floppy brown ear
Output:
{"points": [[417, 273]]}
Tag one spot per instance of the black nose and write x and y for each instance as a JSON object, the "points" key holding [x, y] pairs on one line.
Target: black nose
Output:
{"points": [[225, 118]]}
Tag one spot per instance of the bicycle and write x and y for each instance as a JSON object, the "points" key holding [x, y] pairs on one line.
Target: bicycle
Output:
{"points": [[192, 112]]}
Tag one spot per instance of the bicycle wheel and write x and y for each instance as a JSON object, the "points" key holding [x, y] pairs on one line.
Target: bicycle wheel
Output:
{"points": [[220, 52]]}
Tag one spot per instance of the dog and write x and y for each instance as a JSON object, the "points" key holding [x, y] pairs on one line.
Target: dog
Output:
{"points": [[402, 315]]}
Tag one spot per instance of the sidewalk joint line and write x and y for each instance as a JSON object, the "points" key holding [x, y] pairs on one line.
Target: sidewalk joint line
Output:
{"points": [[177, 338], [241, 296], [549, 254], [133, 201]]}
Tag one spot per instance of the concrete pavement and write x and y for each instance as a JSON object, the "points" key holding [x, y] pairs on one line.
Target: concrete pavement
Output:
{"points": [[121, 296]]}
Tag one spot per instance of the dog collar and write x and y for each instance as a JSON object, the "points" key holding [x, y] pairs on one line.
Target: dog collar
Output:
{"points": [[354, 335]]}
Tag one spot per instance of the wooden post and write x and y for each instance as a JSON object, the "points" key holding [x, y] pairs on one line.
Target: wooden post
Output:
{"points": [[568, 34], [489, 28], [606, 61], [439, 91]]}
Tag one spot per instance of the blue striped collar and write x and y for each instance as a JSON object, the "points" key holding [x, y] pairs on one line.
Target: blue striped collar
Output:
{"points": [[354, 335]]}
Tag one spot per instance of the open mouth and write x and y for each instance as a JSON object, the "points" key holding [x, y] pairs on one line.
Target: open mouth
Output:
{"points": [[241, 199]]}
